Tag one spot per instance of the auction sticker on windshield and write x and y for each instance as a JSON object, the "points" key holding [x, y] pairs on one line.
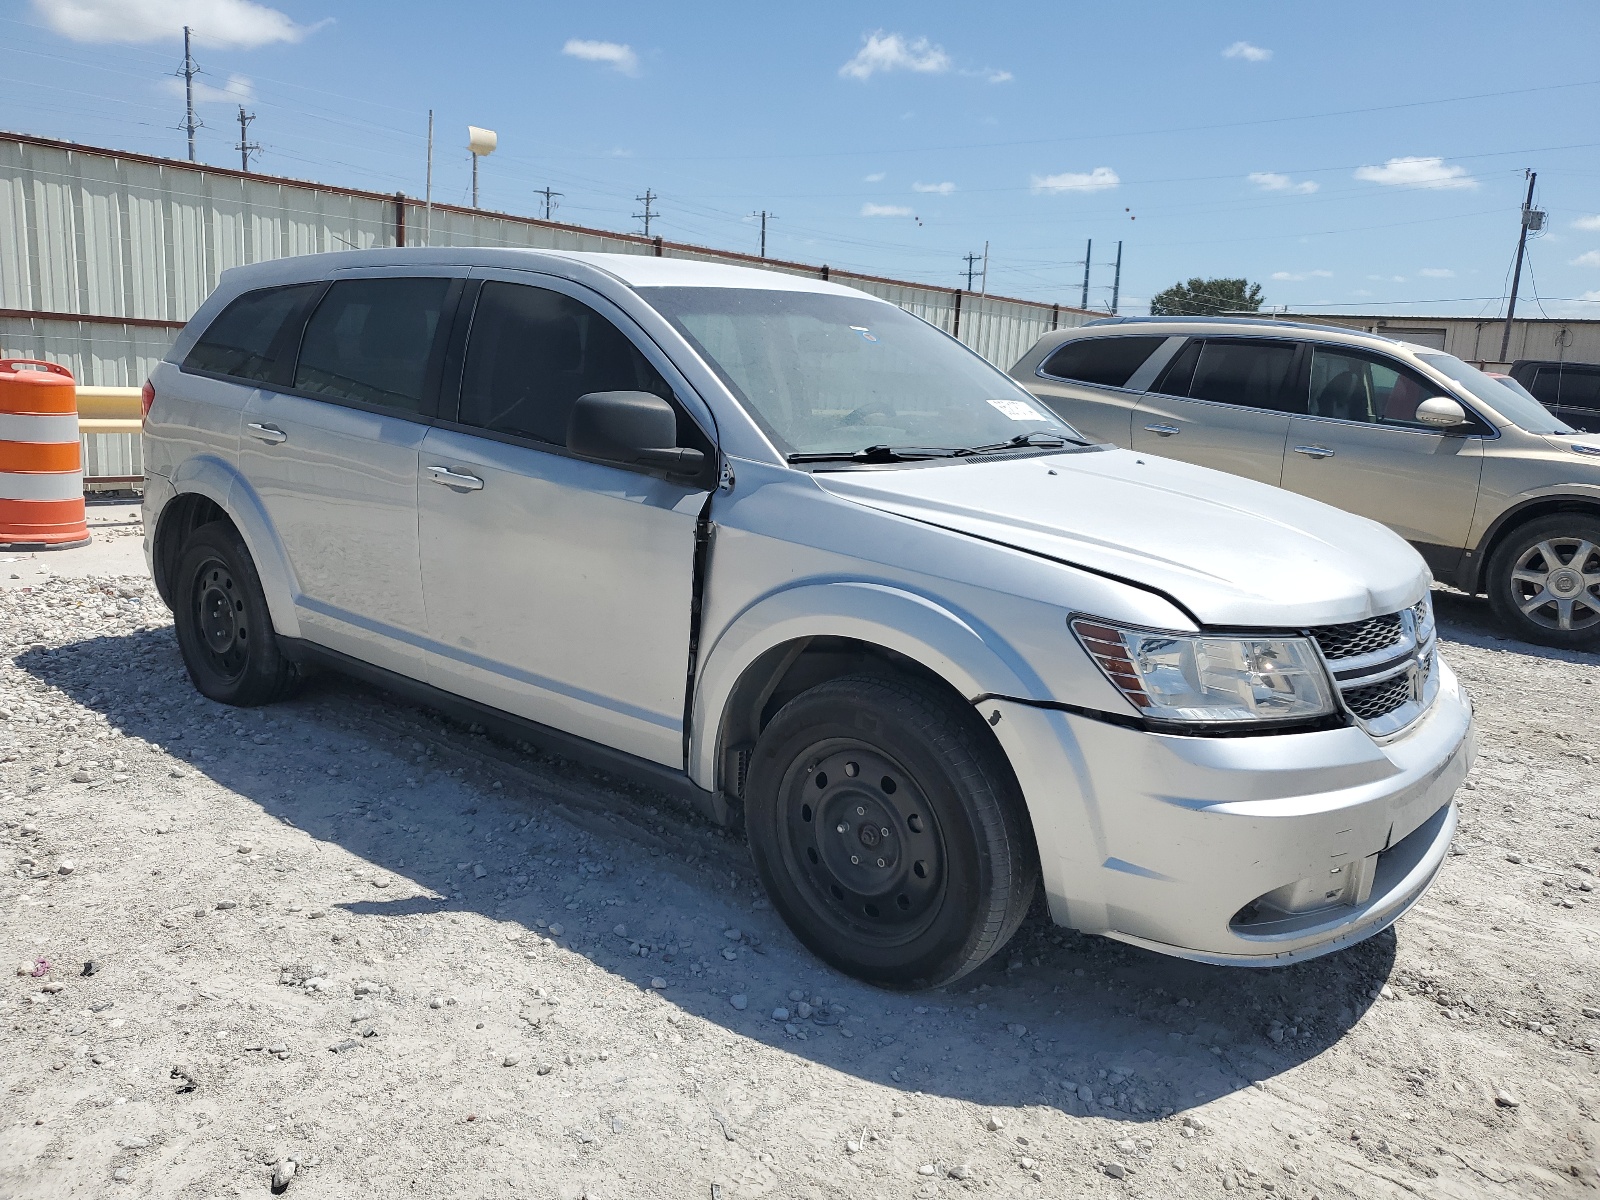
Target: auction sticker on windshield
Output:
{"points": [[1018, 410]]}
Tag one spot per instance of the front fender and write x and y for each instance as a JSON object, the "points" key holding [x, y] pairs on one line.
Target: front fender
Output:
{"points": [[221, 483], [963, 651]]}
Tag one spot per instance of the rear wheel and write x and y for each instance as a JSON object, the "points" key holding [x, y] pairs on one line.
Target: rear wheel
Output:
{"points": [[1544, 581], [224, 630], [888, 831]]}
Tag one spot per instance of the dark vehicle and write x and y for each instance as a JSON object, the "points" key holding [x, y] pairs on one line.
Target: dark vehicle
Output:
{"points": [[1571, 390]]}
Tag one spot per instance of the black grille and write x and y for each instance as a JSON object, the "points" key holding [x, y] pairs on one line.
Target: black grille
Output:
{"points": [[1358, 637], [1379, 699]]}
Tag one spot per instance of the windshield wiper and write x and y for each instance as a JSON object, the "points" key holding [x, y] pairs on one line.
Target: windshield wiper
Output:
{"points": [[875, 454], [1045, 439]]}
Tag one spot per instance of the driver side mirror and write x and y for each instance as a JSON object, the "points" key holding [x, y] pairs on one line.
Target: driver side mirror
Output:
{"points": [[630, 429], [1442, 413]]}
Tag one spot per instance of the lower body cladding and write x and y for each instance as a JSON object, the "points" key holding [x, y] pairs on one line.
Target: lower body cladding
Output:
{"points": [[1252, 851]]}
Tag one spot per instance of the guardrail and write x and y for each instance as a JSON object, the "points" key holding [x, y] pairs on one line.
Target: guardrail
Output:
{"points": [[109, 424]]}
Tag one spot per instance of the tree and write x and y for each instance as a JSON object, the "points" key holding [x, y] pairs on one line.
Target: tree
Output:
{"points": [[1207, 298]]}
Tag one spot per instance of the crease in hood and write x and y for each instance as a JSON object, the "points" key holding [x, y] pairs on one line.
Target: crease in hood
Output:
{"points": [[1230, 550]]}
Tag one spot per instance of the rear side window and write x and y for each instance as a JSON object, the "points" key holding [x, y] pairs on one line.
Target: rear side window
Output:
{"points": [[1567, 387], [375, 341], [531, 354], [1233, 371], [254, 338], [1108, 361]]}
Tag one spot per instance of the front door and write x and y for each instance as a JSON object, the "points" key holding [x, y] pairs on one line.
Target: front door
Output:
{"points": [[1361, 448], [334, 461], [557, 588], [1222, 404]]}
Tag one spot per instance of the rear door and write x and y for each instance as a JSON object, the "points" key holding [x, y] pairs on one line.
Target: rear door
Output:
{"points": [[557, 588], [1572, 392], [333, 458], [1094, 383], [1360, 448], [1223, 403]]}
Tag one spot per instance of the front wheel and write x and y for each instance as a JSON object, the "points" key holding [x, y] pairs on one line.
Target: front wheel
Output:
{"points": [[224, 630], [889, 832], [1544, 581]]}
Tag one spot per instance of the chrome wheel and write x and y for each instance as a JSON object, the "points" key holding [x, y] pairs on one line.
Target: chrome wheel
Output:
{"points": [[1555, 583]]}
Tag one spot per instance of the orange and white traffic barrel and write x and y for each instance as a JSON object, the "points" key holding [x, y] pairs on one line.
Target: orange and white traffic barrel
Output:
{"points": [[41, 464]]}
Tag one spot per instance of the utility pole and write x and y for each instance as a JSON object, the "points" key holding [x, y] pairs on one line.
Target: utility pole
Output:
{"points": [[549, 200], [1116, 281], [246, 147], [427, 208], [969, 259], [764, 214], [984, 291], [646, 216], [189, 70], [1531, 219], [1088, 253]]}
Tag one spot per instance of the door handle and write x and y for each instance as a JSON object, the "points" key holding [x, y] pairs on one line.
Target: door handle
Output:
{"points": [[459, 480], [270, 434], [1162, 430], [1314, 451]]}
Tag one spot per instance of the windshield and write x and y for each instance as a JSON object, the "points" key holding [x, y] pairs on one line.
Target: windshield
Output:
{"points": [[1513, 404], [837, 375]]}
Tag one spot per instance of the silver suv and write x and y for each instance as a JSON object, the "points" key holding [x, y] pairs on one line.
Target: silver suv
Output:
{"points": [[1498, 495], [794, 556]]}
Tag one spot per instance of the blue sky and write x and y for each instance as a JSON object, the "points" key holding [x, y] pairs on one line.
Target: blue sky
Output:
{"points": [[1367, 157]]}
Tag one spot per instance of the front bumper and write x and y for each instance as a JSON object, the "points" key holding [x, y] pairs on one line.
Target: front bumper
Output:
{"points": [[1255, 851]]}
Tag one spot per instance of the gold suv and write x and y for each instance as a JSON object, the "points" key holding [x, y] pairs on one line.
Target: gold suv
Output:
{"points": [[1498, 495]]}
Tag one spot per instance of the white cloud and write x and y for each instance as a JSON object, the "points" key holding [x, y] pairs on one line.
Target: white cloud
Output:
{"points": [[886, 210], [1098, 180], [936, 189], [612, 54], [999, 76], [237, 90], [236, 24], [1271, 181], [1437, 273], [875, 177], [1418, 172], [1595, 295], [882, 51], [1247, 52], [1296, 277], [1587, 224], [1590, 258]]}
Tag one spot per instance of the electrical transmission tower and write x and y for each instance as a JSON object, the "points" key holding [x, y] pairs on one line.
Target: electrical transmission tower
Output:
{"points": [[187, 72], [246, 147], [550, 204], [647, 215]]}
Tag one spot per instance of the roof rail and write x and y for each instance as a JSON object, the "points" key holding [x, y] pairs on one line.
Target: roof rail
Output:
{"points": [[1240, 319]]}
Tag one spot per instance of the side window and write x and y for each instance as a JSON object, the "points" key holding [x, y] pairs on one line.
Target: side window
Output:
{"points": [[1359, 387], [1108, 361], [254, 338], [533, 352], [375, 341], [1568, 387], [1233, 371]]}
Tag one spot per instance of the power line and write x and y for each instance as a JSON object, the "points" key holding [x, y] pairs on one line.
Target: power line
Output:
{"points": [[646, 216], [550, 204], [970, 260], [246, 147], [188, 71], [764, 214]]}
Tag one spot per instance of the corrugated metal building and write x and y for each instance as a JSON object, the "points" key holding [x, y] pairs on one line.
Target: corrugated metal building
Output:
{"points": [[104, 255], [1477, 339]]}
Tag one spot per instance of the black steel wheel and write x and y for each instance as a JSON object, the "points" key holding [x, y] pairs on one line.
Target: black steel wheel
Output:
{"points": [[1544, 581], [224, 630], [888, 831]]}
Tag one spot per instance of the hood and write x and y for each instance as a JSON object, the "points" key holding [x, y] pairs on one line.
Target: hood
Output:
{"points": [[1230, 550], [1569, 444]]}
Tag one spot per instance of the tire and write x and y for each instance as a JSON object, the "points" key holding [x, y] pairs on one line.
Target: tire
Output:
{"points": [[224, 630], [852, 758], [1557, 557]]}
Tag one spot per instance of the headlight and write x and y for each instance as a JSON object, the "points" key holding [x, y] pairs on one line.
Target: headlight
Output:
{"points": [[1200, 678]]}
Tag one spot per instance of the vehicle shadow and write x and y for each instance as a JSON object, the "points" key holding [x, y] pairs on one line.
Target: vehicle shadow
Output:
{"points": [[1078, 1023], [1468, 619]]}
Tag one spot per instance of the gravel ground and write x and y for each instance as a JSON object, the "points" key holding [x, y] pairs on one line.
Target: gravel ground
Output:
{"points": [[343, 948]]}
